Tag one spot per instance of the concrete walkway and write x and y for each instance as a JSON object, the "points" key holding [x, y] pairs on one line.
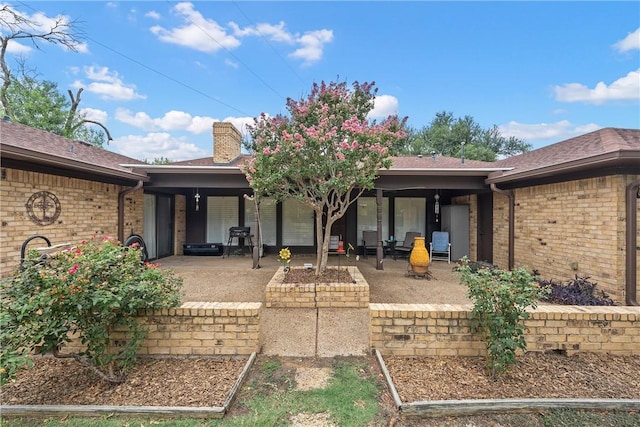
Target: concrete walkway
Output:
{"points": [[308, 332]]}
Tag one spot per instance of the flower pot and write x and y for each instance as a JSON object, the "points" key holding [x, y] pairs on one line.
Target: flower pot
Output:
{"points": [[419, 258]]}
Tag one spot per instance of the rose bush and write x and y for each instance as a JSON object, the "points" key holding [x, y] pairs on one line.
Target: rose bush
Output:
{"points": [[84, 293], [500, 301]]}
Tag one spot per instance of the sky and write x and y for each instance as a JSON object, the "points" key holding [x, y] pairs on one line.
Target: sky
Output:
{"points": [[158, 74]]}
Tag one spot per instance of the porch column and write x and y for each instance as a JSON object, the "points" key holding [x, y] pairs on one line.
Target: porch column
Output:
{"points": [[379, 249]]}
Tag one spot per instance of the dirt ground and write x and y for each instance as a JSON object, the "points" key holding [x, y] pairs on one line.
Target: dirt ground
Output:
{"points": [[233, 279], [207, 382]]}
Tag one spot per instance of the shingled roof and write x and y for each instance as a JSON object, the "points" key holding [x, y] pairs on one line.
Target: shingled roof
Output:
{"points": [[601, 149], [399, 162], [26, 144]]}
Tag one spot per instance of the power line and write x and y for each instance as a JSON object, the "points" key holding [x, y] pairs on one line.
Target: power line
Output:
{"points": [[198, 91], [235, 3], [160, 73], [232, 54]]}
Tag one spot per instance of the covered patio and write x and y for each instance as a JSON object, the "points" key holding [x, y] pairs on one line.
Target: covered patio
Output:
{"points": [[232, 279]]}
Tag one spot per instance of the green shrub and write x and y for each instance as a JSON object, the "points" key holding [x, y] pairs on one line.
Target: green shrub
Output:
{"points": [[87, 291], [500, 299]]}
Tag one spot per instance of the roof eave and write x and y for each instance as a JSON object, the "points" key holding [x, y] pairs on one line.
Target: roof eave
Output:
{"points": [[17, 153], [602, 160], [442, 171], [172, 169]]}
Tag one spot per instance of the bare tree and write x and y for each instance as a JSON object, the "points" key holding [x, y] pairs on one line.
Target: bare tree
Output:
{"points": [[60, 31]]}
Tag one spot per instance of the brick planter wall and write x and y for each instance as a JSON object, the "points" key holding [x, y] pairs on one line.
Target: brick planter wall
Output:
{"points": [[443, 330], [198, 329], [320, 295]]}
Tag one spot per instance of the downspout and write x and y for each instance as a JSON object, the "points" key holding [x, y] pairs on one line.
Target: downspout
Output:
{"points": [[631, 250], [121, 208], [512, 215]]}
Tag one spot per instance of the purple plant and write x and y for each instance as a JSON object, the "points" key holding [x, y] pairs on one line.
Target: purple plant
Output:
{"points": [[577, 291]]}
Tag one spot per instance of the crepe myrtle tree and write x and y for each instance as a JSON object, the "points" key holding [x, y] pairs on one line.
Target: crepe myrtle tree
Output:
{"points": [[325, 154]]}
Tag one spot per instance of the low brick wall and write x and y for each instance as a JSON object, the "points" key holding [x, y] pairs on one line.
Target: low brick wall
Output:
{"points": [[202, 329], [320, 295], [444, 330]]}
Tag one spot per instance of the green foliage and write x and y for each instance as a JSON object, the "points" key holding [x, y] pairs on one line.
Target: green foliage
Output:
{"points": [[158, 161], [40, 104], [350, 399], [325, 154], [88, 291], [500, 301], [445, 134]]}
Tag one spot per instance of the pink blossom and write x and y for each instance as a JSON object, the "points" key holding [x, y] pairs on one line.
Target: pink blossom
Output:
{"points": [[74, 269], [266, 151]]}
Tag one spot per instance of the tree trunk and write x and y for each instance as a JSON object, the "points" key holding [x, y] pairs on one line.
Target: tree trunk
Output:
{"points": [[320, 266], [323, 239]]}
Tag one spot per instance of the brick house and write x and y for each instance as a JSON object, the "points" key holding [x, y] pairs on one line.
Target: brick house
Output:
{"points": [[568, 208]]}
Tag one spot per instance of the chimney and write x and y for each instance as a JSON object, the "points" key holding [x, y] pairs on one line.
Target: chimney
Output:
{"points": [[227, 142]]}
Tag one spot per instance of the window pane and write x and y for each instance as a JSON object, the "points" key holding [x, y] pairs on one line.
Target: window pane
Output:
{"points": [[410, 215], [267, 219], [368, 216], [222, 214], [149, 224], [297, 224]]}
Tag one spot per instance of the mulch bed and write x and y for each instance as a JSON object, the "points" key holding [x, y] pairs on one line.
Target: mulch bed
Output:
{"points": [[208, 382], [330, 275], [535, 375], [152, 382]]}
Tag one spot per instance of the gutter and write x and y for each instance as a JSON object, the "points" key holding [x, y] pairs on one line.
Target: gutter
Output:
{"points": [[600, 161], [121, 209], [17, 153], [631, 250], [511, 196]]}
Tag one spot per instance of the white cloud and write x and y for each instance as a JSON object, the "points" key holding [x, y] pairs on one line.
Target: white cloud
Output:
{"points": [[152, 14], [275, 33], [15, 48], [108, 85], [95, 114], [631, 42], [312, 45], [625, 88], [557, 131], [240, 123], [231, 63], [156, 145], [383, 107], [171, 121], [197, 33]]}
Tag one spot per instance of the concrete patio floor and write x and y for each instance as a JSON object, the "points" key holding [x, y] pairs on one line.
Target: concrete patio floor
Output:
{"points": [[310, 332], [232, 279]]}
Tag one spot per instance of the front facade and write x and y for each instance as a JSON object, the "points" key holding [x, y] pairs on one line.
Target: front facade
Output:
{"points": [[564, 216]]}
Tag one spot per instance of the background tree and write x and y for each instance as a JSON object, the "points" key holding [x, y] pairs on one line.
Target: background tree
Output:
{"points": [[445, 134], [325, 155], [37, 103]]}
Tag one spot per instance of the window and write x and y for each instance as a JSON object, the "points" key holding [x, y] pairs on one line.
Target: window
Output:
{"points": [[368, 216], [149, 225], [222, 214], [297, 224], [410, 215], [267, 220]]}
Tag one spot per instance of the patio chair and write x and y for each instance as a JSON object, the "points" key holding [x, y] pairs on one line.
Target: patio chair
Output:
{"points": [[407, 243], [369, 241], [440, 247], [334, 242]]}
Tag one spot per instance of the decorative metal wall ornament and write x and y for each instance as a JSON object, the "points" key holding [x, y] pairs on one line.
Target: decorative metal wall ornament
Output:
{"points": [[43, 208]]}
